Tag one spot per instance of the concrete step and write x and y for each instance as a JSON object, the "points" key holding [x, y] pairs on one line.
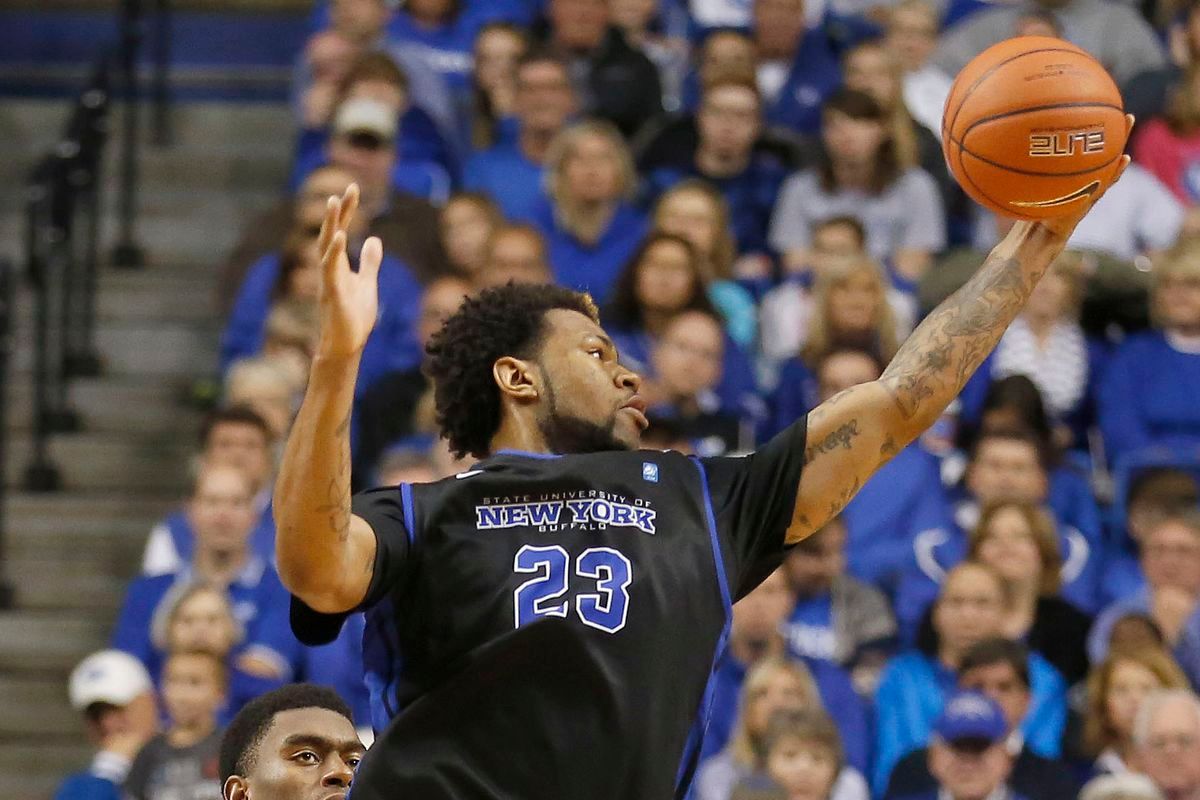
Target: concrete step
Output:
{"points": [[47, 643], [85, 590], [142, 348], [256, 138], [101, 461], [90, 511], [104, 404], [112, 547], [30, 770], [34, 707]]}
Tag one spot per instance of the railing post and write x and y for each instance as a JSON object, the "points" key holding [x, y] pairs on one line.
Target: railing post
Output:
{"points": [[81, 359], [8, 306], [41, 475], [163, 133], [128, 253]]}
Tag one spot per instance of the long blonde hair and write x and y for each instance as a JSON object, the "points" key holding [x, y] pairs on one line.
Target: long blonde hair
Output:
{"points": [[821, 339], [573, 217], [1098, 732], [744, 747], [724, 249]]}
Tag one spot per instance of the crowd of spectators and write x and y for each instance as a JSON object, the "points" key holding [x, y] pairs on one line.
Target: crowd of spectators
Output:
{"points": [[754, 193]]}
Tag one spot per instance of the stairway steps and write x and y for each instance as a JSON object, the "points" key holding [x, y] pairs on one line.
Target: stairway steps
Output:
{"points": [[83, 592], [30, 768], [35, 707], [107, 461], [48, 643]]}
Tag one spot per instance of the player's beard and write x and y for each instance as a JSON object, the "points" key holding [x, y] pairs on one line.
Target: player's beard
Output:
{"points": [[566, 433]]}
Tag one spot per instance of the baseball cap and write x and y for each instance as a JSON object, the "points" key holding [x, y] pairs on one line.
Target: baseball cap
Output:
{"points": [[364, 115], [971, 716], [109, 676]]}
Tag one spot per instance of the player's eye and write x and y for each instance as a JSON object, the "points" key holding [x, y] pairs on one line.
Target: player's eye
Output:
{"points": [[354, 761], [597, 352], [306, 757]]}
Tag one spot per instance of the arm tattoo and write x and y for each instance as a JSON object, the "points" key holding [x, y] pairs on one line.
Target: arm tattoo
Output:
{"points": [[935, 362], [839, 438], [337, 499]]}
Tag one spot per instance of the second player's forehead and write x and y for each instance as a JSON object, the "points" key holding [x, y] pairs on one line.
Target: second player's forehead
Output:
{"points": [[564, 329], [309, 724]]}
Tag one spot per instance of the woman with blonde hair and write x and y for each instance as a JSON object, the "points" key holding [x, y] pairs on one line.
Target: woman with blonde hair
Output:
{"points": [[590, 226], [849, 308], [1047, 343], [1115, 689], [1149, 390], [773, 685], [697, 212], [1020, 542]]}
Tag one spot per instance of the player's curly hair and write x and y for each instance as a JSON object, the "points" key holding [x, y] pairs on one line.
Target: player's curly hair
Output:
{"points": [[501, 321]]}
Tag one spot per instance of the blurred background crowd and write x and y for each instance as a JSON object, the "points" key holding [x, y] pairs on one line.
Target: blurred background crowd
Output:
{"points": [[754, 193]]}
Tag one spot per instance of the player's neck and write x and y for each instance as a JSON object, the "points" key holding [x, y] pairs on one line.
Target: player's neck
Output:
{"points": [[519, 432]]}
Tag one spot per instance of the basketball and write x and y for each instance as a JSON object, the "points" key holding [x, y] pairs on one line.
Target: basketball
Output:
{"points": [[1032, 126]]}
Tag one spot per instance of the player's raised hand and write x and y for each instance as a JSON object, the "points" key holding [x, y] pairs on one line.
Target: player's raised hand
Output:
{"points": [[349, 301], [1063, 226]]}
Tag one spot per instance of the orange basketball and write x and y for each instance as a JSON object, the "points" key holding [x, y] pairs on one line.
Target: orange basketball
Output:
{"points": [[1033, 125]]}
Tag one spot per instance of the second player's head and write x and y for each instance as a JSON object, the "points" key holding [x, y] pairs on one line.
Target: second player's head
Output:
{"points": [[532, 359]]}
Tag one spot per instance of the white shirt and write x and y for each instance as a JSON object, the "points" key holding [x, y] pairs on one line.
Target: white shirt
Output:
{"points": [[925, 93]]}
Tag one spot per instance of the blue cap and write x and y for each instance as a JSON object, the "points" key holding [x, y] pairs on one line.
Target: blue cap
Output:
{"points": [[971, 716]]}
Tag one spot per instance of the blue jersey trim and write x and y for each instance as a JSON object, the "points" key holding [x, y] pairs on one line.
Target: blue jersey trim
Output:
{"points": [[686, 771], [716, 542], [409, 515], [526, 453]]}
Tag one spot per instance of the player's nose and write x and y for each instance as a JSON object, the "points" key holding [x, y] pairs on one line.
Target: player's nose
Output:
{"points": [[628, 379], [339, 774]]}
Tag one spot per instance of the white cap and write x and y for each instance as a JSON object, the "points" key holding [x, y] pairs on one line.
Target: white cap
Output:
{"points": [[109, 676], [364, 115]]}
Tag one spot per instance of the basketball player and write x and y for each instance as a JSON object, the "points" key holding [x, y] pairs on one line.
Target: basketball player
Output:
{"points": [[294, 743], [544, 623]]}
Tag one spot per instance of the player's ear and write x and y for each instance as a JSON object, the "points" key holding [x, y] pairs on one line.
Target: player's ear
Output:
{"points": [[517, 378], [235, 788]]}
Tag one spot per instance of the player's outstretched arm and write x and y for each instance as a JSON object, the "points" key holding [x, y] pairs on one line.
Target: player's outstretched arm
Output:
{"points": [[856, 431], [325, 553]]}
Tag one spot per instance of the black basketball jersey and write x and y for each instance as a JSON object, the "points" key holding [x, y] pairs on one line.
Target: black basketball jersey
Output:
{"points": [[546, 626]]}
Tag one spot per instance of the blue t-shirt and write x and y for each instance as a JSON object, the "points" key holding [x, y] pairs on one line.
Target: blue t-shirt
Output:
{"points": [[810, 632], [1148, 396], [260, 605], [513, 181], [814, 75], [591, 268]]}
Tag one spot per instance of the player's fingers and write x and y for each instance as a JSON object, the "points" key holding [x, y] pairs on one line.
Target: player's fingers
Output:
{"points": [[370, 259], [349, 206], [332, 259], [328, 225], [1130, 120]]}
